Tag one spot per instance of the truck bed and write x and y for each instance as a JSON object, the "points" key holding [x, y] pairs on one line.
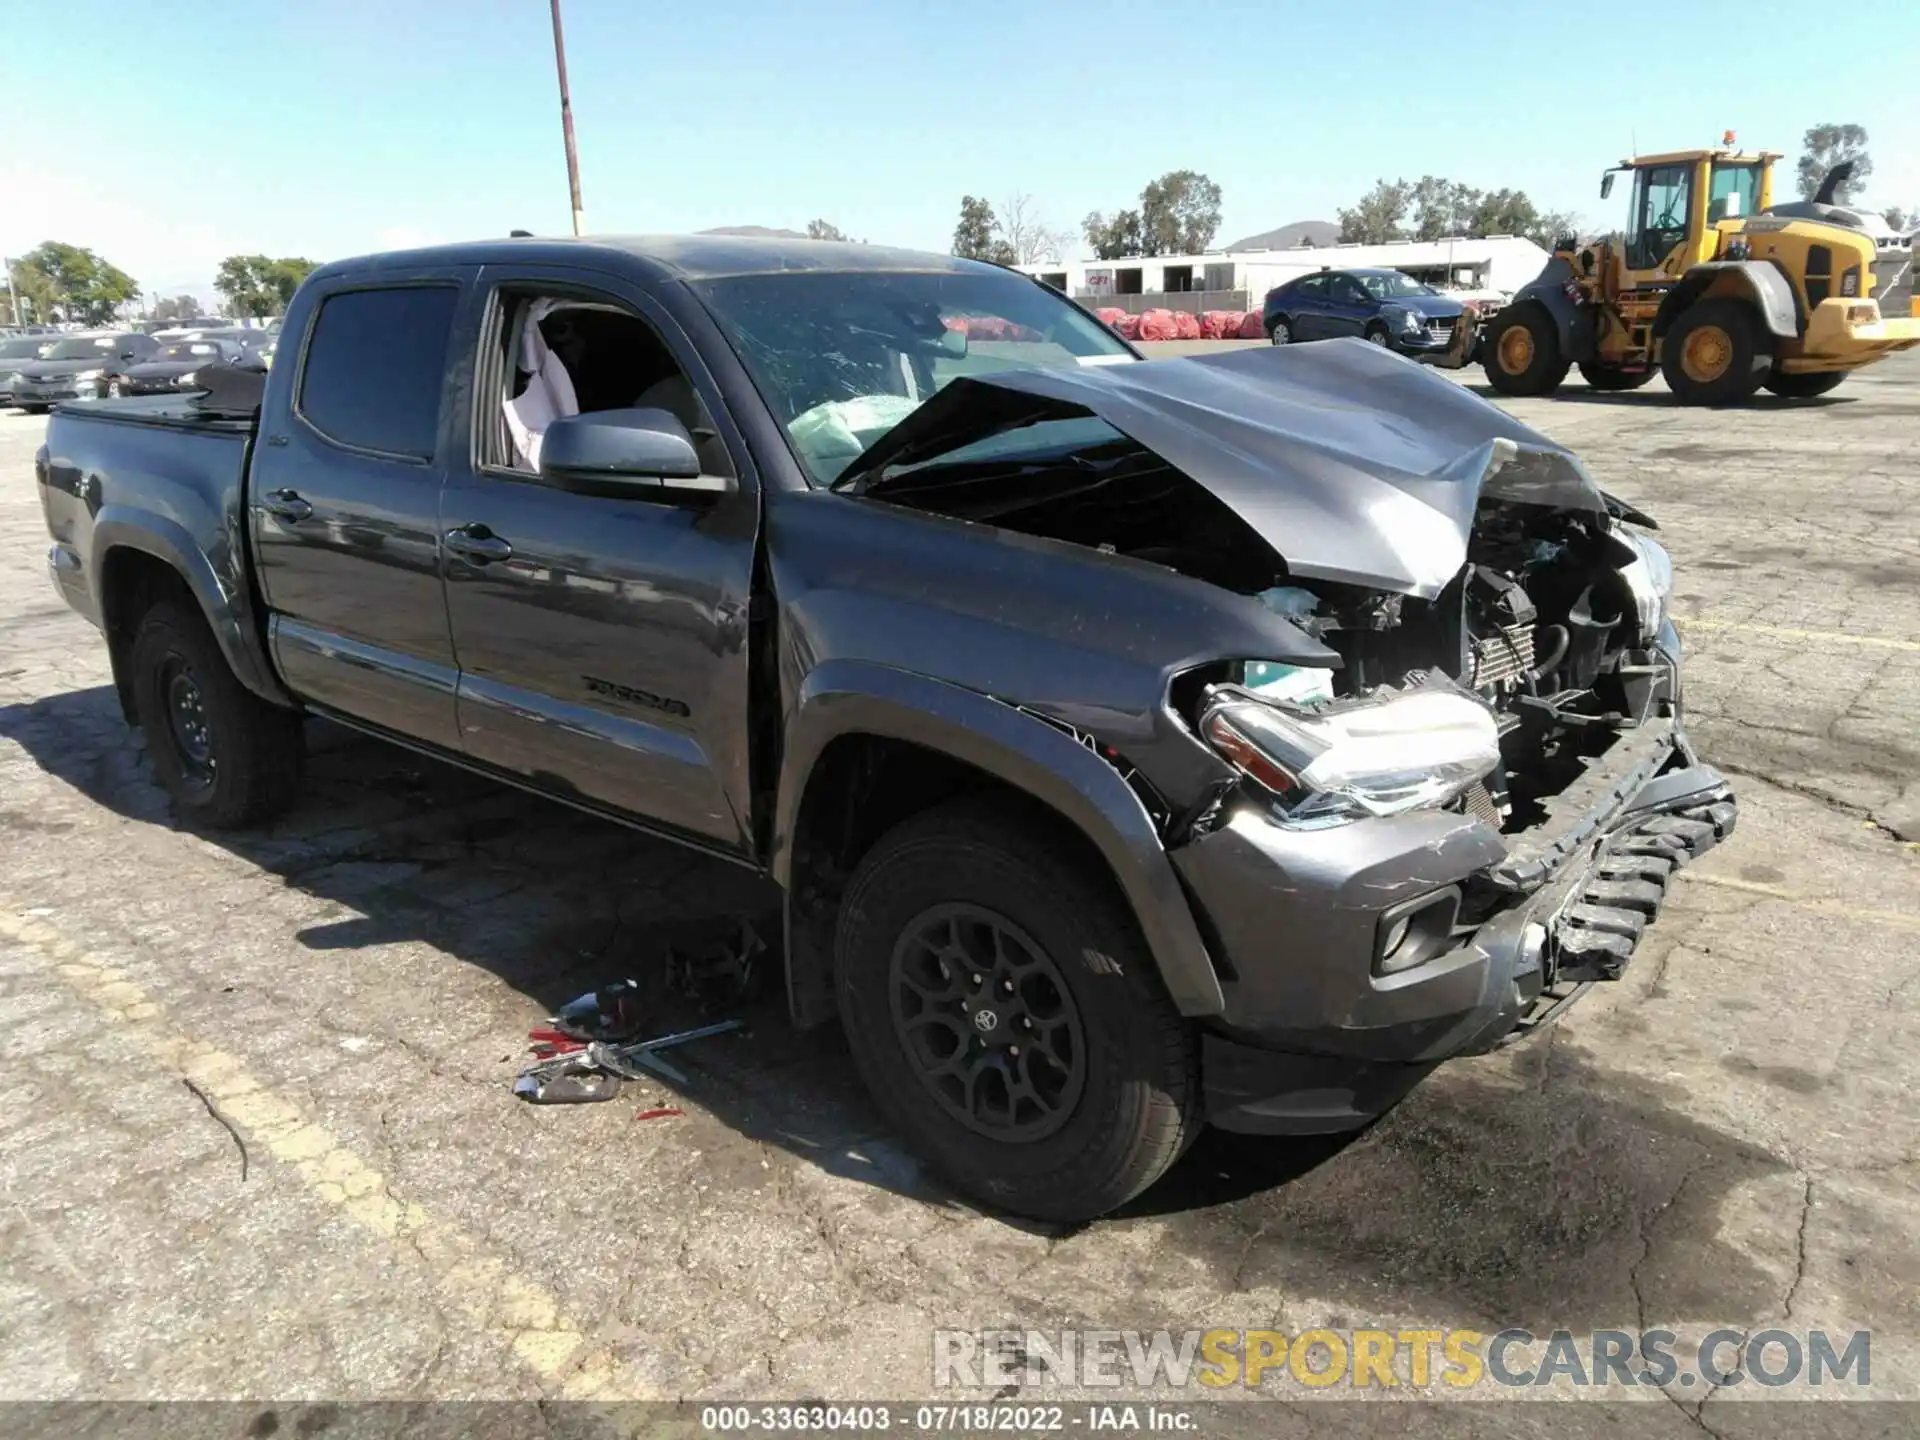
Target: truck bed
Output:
{"points": [[154, 476]]}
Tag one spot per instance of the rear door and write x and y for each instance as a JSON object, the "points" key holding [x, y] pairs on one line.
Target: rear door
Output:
{"points": [[602, 639], [344, 500], [1309, 308]]}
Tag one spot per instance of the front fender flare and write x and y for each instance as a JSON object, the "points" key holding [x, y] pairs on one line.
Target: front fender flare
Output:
{"points": [[847, 697], [1572, 326], [1768, 288], [228, 616]]}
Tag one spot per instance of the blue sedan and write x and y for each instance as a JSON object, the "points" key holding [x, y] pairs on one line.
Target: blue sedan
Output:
{"points": [[1381, 306]]}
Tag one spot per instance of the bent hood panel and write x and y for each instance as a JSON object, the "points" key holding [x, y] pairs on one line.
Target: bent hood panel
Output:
{"points": [[1353, 464]]}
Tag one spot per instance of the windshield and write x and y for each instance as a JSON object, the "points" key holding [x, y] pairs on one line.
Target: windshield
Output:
{"points": [[22, 349], [82, 347], [841, 359], [1392, 285]]}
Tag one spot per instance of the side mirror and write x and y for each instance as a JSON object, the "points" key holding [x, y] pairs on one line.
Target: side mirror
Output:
{"points": [[1606, 185], [644, 453]]}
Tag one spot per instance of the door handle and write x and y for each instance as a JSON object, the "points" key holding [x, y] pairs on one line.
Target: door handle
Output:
{"points": [[287, 504], [477, 545]]}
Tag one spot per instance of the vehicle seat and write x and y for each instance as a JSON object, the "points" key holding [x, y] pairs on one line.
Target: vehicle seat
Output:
{"points": [[549, 393]]}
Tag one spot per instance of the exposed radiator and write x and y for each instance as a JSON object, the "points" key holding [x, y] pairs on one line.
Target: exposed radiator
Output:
{"points": [[1501, 655]]}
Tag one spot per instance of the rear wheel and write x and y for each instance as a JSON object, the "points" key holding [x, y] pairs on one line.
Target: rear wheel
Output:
{"points": [[1007, 1016], [1280, 332], [1521, 352], [225, 756], [1803, 387], [1713, 354], [1609, 377]]}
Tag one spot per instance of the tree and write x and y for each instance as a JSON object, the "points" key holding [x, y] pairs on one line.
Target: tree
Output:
{"points": [[1028, 236], [824, 230], [1441, 207], [178, 307], [74, 282], [1825, 146], [1897, 219], [256, 286], [1116, 238], [1376, 218], [977, 236], [1179, 213]]}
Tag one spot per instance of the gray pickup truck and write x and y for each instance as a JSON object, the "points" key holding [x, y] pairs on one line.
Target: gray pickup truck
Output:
{"points": [[1138, 744]]}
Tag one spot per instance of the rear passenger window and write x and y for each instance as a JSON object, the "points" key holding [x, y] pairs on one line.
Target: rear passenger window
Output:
{"points": [[376, 365]]}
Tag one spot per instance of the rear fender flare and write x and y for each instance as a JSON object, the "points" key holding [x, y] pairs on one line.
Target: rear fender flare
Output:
{"points": [[1763, 283], [227, 616], [845, 697]]}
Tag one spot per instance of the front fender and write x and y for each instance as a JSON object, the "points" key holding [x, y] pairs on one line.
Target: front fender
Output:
{"points": [[1572, 326], [227, 613], [1764, 283], [850, 697]]}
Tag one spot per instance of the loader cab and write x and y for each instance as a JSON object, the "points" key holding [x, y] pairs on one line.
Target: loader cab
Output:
{"points": [[1680, 202]]}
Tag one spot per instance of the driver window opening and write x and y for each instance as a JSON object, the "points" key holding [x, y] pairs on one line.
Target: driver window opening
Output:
{"points": [[1662, 198], [555, 356]]}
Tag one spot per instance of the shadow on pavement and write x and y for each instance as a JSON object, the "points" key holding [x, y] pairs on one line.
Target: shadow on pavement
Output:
{"points": [[1659, 399], [1525, 1195]]}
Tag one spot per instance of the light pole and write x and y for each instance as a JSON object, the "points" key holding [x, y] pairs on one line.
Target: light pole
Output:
{"points": [[566, 119]]}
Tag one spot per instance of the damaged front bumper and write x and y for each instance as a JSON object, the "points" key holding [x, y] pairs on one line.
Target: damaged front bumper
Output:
{"points": [[1326, 1026]]}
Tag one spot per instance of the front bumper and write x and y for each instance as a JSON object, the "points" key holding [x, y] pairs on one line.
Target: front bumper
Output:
{"points": [[1313, 1039], [52, 392]]}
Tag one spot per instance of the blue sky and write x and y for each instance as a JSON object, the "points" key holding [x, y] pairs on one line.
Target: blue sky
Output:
{"points": [[167, 136]]}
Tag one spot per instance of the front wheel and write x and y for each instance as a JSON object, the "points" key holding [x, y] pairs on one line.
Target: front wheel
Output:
{"points": [[1377, 335], [1007, 1017], [226, 757], [1713, 354], [1803, 387], [1521, 352], [113, 389], [1280, 332]]}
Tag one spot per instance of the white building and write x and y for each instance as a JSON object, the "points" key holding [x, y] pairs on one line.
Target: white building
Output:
{"points": [[1497, 262]]}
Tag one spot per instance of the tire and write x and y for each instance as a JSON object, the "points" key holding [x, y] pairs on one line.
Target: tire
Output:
{"points": [[1803, 387], [1377, 335], [1521, 351], [1606, 377], [1131, 1104], [113, 389], [226, 757], [1280, 332], [1713, 354]]}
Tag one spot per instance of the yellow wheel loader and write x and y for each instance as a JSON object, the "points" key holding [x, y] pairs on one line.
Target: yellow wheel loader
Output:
{"points": [[1714, 287]]}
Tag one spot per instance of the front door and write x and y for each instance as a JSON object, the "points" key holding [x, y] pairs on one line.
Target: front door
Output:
{"points": [[1660, 222], [1348, 308], [343, 499], [601, 640]]}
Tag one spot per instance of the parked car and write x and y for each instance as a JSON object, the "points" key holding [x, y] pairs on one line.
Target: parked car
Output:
{"points": [[80, 367], [1138, 744], [16, 351], [175, 365], [1382, 307]]}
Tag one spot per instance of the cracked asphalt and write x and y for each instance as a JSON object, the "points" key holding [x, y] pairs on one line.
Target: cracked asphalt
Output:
{"points": [[260, 1140]]}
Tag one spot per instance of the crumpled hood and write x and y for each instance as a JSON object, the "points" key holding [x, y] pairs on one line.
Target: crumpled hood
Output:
{"points": [[1438, 307], [1353, 464]]}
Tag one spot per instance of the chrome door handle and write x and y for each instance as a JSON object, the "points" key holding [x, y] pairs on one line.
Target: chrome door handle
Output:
{"points": [[287, 504], [477, 545]]}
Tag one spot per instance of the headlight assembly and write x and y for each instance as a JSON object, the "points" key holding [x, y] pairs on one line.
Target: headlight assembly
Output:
{"points": [[86, 375], [1411, 751], [1412, 320], [1649, 575]]}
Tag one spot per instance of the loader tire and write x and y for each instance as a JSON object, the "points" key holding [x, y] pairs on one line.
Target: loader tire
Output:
{"points": [[1803, 387], [1608, 377], [1714, 354], [1521, 351]]}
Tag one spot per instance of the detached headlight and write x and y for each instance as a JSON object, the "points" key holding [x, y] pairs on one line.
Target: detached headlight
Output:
{"points": [[1410, 752], [1649, 575], [1412, 320], [16, 378], [188, 380], [85, 375]]}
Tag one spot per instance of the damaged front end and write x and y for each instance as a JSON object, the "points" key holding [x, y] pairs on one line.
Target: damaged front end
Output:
{"points": [[1430, 845]]}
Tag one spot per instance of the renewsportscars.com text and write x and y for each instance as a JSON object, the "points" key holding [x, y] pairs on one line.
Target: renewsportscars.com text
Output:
{"points": [[1380, 1359]]}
